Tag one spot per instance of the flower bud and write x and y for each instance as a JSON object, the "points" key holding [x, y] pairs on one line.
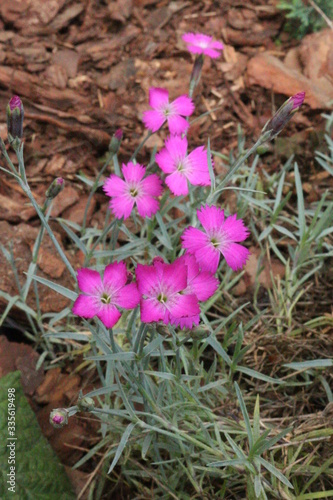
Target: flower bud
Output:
{"points": [[59, 417], [55, 188], [15, 115], [284, 114], [86, 404], [116, 141]]}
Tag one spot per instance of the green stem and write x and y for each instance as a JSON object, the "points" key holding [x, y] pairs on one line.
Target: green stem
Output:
{"points": [[33, 264], [214, 194], [40, 214], [93, 190], [140, 146]]}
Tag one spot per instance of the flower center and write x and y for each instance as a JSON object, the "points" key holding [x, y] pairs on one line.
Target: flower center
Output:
{"points": [[162, 298], [167, 111], [134, 192], [215, 242], [105, 298], [180, 167]]}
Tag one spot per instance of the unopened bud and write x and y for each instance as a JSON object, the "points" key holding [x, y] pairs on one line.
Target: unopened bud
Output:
{"points": [[284, 114], [55, 188], [15, 115], [59, 417], [86, 404], [116, 141]]}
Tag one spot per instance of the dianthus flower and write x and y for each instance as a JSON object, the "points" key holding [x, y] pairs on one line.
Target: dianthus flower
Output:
{"points": [[133, 190], [161, 287], [200, 283], [164, 111], [198, 43], [103, 297], [220, 237], [181, 167]]}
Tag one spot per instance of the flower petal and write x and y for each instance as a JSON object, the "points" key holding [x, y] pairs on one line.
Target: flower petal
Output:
{"points": [[151, 310], [165, 161], [177, 124], [158, 98], [128, 297], [183, 105], [115, 276], [146, 277], [85, 306], [204, 285], [193, 239], [152, 185], [235, 255], [177, 183], [208, 258], [153, 120], [177, 147], [211, 218], [234, 228], [133, 172], [189, 322], [198, 173], [214, 54], [147, 206], [174, 275], [114, 186], [183, 306], [109, 315], [89, 281], [122, 206]]}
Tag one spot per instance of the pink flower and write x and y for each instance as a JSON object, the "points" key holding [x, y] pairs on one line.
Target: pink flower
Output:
{"points": [[218, 238], [200, 283], [133, 190], [103, 297], [163, 111], [161, 287], [181, 167], [198, 43]]}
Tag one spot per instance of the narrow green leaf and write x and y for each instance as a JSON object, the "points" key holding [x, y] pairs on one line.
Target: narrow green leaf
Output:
{"points": [[57, 288], [121, 446], [315, 363], [273, 470], [300, 202], [260, 376], [245, 414]]}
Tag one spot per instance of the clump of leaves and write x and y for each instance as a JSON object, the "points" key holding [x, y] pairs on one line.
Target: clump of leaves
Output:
{"points": [[303, 17]]}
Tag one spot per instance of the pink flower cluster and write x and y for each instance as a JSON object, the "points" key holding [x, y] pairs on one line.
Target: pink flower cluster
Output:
{"points": [[167, 292], [179, 166]]}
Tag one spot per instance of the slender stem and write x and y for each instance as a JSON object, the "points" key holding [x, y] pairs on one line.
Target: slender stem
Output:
{"points": [[214, 194], [93, 190], [140, 146], [8, 160], [33, 265], [40, 214]]}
